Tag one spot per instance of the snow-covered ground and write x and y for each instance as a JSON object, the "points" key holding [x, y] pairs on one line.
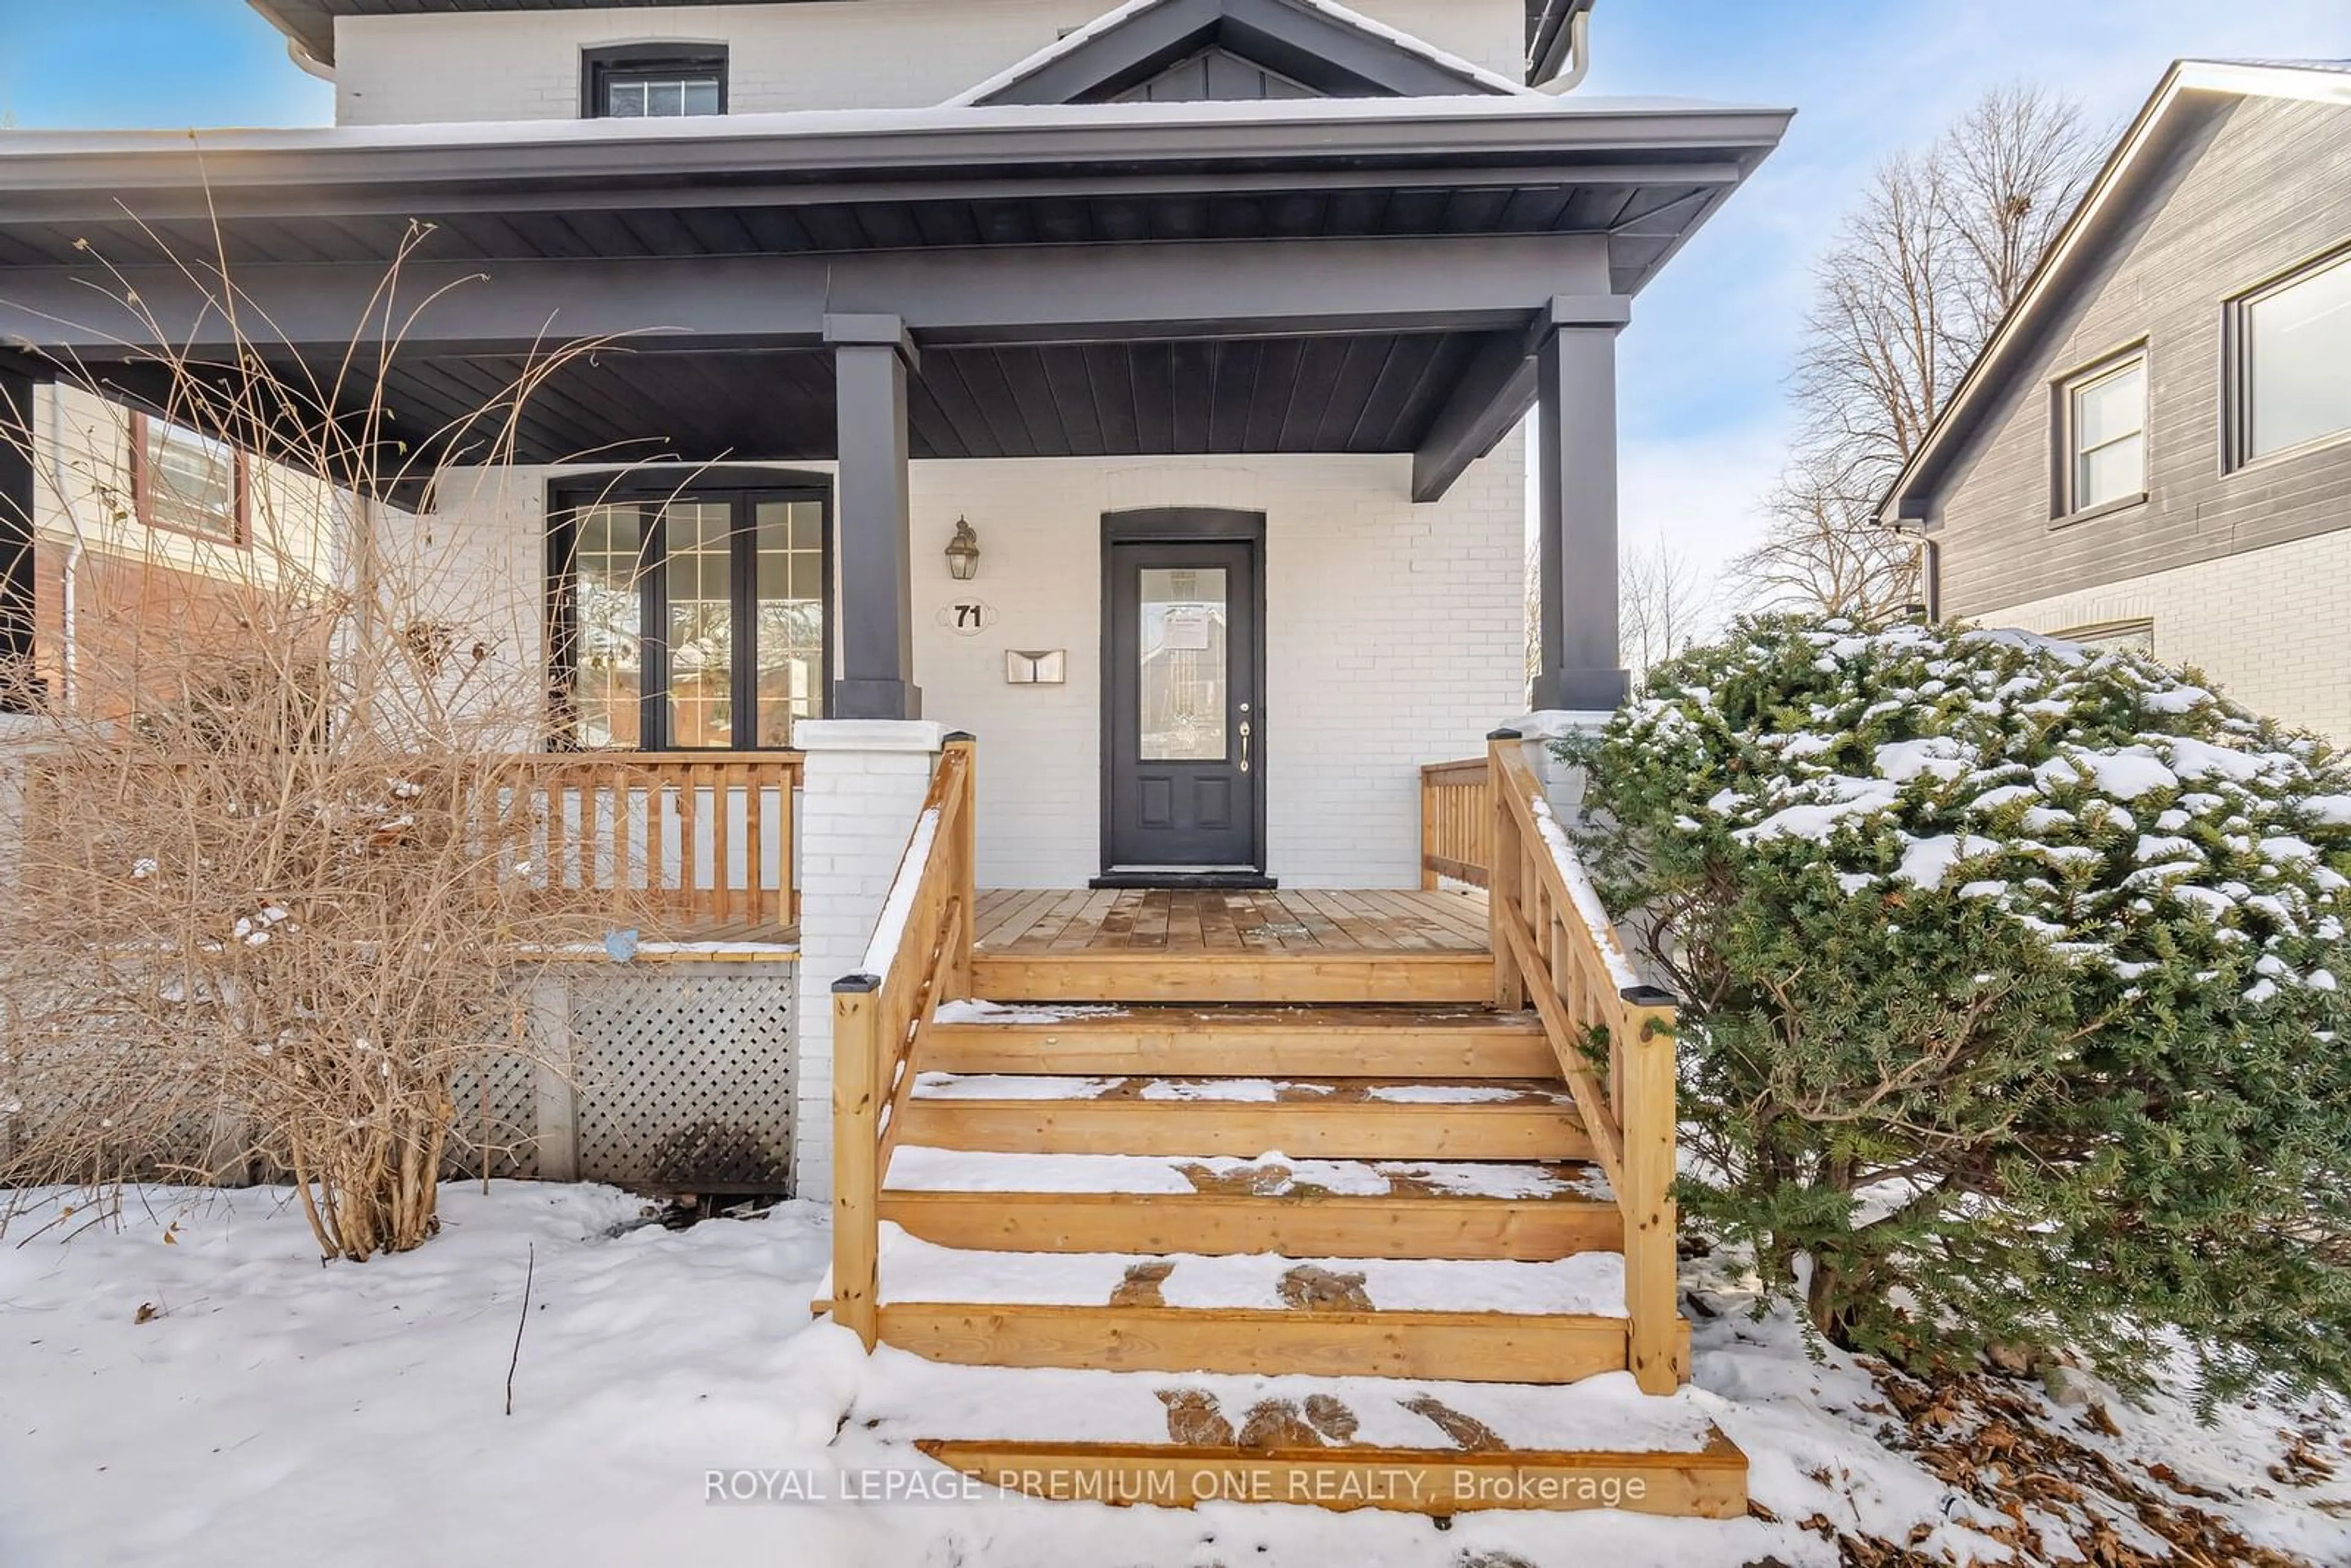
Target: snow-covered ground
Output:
{"points": [[193, 1388]]}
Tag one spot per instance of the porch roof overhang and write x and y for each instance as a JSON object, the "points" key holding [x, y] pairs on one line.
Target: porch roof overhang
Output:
{"points": [[1315, 275]]}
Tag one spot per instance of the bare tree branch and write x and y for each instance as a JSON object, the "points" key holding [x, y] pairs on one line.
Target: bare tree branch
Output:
{"points": [[1939, 244]]}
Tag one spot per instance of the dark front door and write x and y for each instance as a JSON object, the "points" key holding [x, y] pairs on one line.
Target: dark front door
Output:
{"points": [[1184, 728]]}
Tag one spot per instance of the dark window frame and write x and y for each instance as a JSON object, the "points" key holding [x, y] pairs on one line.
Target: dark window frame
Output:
{"points": [[601, 65], [142, 486], [2237, 363], [744, 490], [2064, 508]]}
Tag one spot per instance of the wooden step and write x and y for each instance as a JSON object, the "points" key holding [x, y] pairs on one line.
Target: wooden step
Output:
{"points": [[1296, 1226], [1426, 1444], [1708, 1484], [1328, 1118], [1329, 1041], [1481, 1321], [1304, 975], [1470, 1347]]}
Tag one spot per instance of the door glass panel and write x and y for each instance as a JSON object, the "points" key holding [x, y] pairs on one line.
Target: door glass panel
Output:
{"points": [[1183, 677], [791, 616], [701, 623], [611, 672]]}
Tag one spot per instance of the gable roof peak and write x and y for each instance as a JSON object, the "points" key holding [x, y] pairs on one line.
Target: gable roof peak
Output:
{"points": [[1319, 45]]}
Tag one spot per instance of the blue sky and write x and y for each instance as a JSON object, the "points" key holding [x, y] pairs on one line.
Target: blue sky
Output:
{"points": [[1704, 363]]}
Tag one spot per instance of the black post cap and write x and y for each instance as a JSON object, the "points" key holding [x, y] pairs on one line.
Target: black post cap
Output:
{"points": [[1504, 735], [856, 985], [1649, 996]]}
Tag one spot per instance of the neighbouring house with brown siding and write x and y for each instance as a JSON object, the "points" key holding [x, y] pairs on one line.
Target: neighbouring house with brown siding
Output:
{"points": [[2157, 444]]}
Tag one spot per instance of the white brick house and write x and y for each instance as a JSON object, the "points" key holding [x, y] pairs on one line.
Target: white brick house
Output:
{"points": [[1284, 275]]}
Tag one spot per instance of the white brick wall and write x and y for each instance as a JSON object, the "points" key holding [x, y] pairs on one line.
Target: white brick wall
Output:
{"points": [[868, 54], [863, 784], [1394, 636], [2267, 626]]}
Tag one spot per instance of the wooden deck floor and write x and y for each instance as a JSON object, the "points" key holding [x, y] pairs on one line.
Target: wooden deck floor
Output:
{"points": [[1307, 922]]}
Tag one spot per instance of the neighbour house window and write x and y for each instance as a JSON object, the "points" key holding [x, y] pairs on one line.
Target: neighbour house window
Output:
{"points": [[2292, 340], [2104, 411], [653, 81], [691, 622], [188, 482]]}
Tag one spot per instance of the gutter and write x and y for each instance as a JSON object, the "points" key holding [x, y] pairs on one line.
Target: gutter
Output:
{"points": [[1579, 52]]}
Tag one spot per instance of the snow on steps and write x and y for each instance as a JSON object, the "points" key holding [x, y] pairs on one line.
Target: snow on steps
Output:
{"points": [[1294, 1041], [1428, 1446], [1555, 1321], [1487, 1119], [1303, 1208]]}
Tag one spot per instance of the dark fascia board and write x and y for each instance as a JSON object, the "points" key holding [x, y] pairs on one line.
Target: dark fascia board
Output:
{"points": [[2190, 92], [63, 176], [1310, 45]]}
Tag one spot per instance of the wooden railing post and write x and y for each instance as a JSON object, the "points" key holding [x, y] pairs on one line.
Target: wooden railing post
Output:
{"points": [[1431, 802], [963, 884], [1642, 1036], [856, 1152], [1502, 876]]}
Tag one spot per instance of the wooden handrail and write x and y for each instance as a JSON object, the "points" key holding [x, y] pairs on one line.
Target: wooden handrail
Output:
{"points": [[1555, 948], [1457, 828], [920, 954]]}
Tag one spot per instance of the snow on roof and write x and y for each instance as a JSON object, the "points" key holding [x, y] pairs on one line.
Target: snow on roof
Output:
{"points": [[940, 118], [1111, 21]]}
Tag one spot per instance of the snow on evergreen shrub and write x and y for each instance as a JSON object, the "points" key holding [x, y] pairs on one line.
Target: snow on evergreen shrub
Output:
{"points": [[2013, 990]]}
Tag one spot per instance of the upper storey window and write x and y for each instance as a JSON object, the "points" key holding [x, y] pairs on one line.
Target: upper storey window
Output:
{"points": [[2293, 340], [653, 81], [2105, 438]]}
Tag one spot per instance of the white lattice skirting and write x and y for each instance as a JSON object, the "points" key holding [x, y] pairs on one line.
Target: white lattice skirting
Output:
{"points": [[669, 1078]]}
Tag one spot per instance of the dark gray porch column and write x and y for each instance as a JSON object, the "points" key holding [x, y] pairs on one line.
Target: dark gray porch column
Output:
{"points": [[15, 539], [1576, 542], [872, 546]]}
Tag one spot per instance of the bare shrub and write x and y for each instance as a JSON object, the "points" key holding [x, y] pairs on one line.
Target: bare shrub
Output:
{"points": [[278, 875]]}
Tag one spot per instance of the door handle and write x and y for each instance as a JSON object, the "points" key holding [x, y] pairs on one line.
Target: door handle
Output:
{"points": [[1245, 745]]}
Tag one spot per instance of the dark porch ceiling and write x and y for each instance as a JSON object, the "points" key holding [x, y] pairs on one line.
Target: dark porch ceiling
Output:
{"points": [[1358, 394], [1111, 280]]}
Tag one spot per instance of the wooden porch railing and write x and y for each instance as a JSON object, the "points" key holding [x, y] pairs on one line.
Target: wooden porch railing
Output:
{"points": [[921, 954], [1457, 821], [1555, 949], [708, 836]]}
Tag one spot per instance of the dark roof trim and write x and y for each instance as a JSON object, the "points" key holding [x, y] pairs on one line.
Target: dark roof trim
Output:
{"points": [[2190, 89], [1329, 50]]}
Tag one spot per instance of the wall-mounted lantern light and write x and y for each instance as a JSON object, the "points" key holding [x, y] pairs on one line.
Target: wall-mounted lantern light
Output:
{"points": [[963, 552]]}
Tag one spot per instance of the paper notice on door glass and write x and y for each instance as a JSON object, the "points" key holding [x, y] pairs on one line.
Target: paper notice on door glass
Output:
{"points": [[1185, 627]]}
